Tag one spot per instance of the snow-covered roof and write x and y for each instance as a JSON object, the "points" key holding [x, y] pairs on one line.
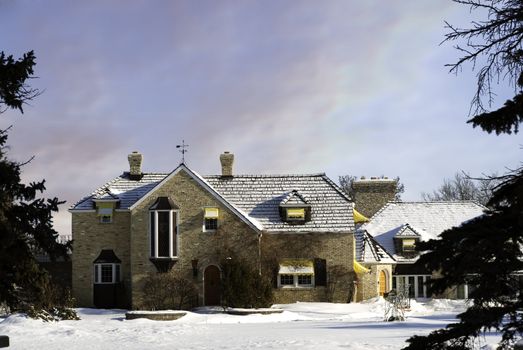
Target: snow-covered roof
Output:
{"points": [[370, 251], [128, 191], [260, 197], [424, 219], [254, 197]]}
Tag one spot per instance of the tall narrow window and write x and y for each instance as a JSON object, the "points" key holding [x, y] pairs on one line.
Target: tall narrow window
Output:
{"points": [[163, 228], [164, 233]]}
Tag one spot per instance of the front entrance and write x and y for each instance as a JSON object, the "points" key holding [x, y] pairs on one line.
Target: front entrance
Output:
{"points": [[383, 283], [211, 286]]}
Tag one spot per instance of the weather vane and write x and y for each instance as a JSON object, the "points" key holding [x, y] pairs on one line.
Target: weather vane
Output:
{"points": [[183, 150]]}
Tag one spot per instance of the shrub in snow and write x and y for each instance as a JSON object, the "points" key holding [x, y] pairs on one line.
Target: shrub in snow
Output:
{"points": [[169, 291], [339, 278], [53, 314], [242, 284], [54, 304]]}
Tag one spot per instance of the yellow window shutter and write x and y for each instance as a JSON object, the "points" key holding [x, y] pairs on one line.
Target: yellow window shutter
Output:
{"points": [[297, 266], [359, 269], [296, 213], [409, 241], [105, 208], [105, 205], [359, 218], [211, 213]]}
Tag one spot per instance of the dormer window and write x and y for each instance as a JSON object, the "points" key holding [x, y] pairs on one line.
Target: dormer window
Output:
{"points": [[295, 215], [294, 208], [105, 211], [405, 241]]}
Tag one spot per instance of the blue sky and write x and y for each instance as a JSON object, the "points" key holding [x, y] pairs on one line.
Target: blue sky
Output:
{"points": [[342, 87]]}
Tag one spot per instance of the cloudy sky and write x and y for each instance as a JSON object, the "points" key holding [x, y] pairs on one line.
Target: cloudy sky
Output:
{"points": [[342, 87]]}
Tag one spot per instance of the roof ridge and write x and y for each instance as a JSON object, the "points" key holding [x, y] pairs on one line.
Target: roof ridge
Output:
{"points": [[266, 175], [422, 202]]}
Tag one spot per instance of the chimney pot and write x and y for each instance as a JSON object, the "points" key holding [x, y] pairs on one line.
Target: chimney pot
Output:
{"points": [[135, 165], [227, 160]]}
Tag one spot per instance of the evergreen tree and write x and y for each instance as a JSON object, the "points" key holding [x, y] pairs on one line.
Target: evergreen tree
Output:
{"points": [[25, 219], [486, 252]]}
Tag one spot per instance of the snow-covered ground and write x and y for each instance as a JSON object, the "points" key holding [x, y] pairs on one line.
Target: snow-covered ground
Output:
{"points": [[299, 326]]}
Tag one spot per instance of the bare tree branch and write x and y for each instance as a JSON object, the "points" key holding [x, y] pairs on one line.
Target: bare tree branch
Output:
{"points": [[498, 40]]}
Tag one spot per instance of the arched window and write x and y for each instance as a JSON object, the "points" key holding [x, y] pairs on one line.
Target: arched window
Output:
{"points": [[163, 228]]}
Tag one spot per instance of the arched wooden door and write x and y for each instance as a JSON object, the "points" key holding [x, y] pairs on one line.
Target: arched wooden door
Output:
{"points": [[211, 285], [383, 282]]}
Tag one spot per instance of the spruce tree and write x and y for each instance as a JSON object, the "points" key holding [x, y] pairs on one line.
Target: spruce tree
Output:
{"points": [[486, 252], [25, 219]]}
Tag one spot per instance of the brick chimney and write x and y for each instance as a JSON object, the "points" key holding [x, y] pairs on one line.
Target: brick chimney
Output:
{"points": [[227, 160], [370, 195], [135, 165]]}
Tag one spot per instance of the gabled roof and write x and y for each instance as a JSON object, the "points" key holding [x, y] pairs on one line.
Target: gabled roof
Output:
{"points": [[294, 198], [202, 182], [370, 251], [425, 219], [407, 231], [254, 198]]}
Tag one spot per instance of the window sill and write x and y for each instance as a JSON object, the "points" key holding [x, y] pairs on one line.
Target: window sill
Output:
{"points": [[163, 264], [296, 287]]}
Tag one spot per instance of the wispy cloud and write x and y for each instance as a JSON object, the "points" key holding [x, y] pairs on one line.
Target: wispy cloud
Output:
{"points": [[288, 86]]}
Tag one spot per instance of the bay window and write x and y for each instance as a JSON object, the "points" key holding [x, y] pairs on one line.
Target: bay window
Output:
{"points": [[163, 228]]}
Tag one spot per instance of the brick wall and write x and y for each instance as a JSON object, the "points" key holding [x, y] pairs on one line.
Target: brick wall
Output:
{"points": [[89, 238], [368, 284], [336, 248], [194, 244]]}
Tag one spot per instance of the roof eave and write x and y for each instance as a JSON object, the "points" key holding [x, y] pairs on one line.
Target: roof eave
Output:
{"points": [[81, 210]]}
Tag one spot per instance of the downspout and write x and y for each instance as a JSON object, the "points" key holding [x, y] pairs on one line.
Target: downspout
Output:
{"points": [[259, 254]]}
